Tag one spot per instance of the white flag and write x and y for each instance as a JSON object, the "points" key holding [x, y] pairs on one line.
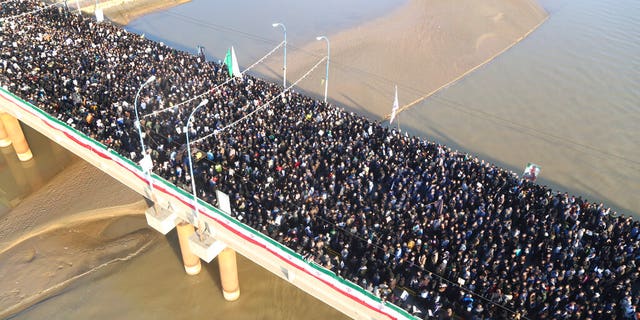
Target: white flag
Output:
{"points": [[236, 68], [395, 107], [99, 15]]}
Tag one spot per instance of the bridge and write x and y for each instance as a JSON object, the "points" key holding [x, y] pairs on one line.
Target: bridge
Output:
{"points": [[219, 234]]}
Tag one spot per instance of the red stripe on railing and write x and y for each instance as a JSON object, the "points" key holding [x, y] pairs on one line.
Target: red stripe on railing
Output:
{"points": [[161, 188]]}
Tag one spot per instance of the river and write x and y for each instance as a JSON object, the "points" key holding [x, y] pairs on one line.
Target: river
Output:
{"points": [[567, 98]]}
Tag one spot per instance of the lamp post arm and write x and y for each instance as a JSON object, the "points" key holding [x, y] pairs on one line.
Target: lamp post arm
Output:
{"points": [[326, 80], [135, 107], [284, 78], [326, 84], [193, 179], [284, 68]]}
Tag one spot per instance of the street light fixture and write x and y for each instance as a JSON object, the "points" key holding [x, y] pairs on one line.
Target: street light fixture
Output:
{"points": [[146, 163], [284, 77], [193, 179], [326, 77]]}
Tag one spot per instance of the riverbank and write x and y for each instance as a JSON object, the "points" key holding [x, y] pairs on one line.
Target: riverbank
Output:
{"points": [[128, 11], [121, 12]]}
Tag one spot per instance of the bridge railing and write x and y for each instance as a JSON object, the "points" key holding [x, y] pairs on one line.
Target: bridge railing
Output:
{"points": [[238, 235]]}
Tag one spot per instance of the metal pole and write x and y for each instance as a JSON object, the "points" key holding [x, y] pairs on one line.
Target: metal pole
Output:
{"points": [[135, 107], [284, 77], [326, 77], [193, 179]]}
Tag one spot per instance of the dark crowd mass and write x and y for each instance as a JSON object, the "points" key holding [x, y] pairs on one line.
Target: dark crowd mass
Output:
{"points": [[438, 232]]}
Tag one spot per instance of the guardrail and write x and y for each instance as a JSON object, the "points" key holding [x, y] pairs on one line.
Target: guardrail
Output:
{"points": [[316, 280]]}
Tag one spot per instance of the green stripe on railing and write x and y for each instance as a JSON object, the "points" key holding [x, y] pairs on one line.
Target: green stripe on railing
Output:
{"points": [[399, 310], [159, 179], [56, 120]]}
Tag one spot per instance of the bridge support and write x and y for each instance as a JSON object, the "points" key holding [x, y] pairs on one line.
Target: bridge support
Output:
{"points": [[15, 170], [5, 141], [14, 132], [160, 218], [229, 274], [191, 262]]}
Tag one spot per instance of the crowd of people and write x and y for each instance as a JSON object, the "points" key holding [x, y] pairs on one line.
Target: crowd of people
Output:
{"points": [[439, 232]]}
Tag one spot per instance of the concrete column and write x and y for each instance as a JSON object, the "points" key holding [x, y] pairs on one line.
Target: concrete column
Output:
{"points": [[34, 177], [16, 170], [229, 274], [13, 129], [5, 141], [191, 262]]}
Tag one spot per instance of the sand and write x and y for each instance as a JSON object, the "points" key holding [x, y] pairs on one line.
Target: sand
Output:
{"points": [[121, 12], [43, 264], [79, 222], [79, 188], [421, 47]]}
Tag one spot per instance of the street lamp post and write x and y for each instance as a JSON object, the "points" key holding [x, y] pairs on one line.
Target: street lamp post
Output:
{"points": [[284, 77], [193, 179], [146, 163], [326, 77]]}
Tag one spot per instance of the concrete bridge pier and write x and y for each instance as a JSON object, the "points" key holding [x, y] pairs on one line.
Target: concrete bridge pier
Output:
{"points": [[191, 261], [14, 132], [229, 274], [5, 141], [32, 173], [15, 169]]}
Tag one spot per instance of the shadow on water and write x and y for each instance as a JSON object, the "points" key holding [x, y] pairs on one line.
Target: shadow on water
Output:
{"points": [[18, 178], [13, 182]]}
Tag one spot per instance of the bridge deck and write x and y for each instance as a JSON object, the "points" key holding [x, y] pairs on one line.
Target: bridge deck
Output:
{"points": [[321, 283]]}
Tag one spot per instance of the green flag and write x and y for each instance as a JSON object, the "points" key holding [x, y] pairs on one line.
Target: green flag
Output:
{"points": [[232, 63], [227, 61]]}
